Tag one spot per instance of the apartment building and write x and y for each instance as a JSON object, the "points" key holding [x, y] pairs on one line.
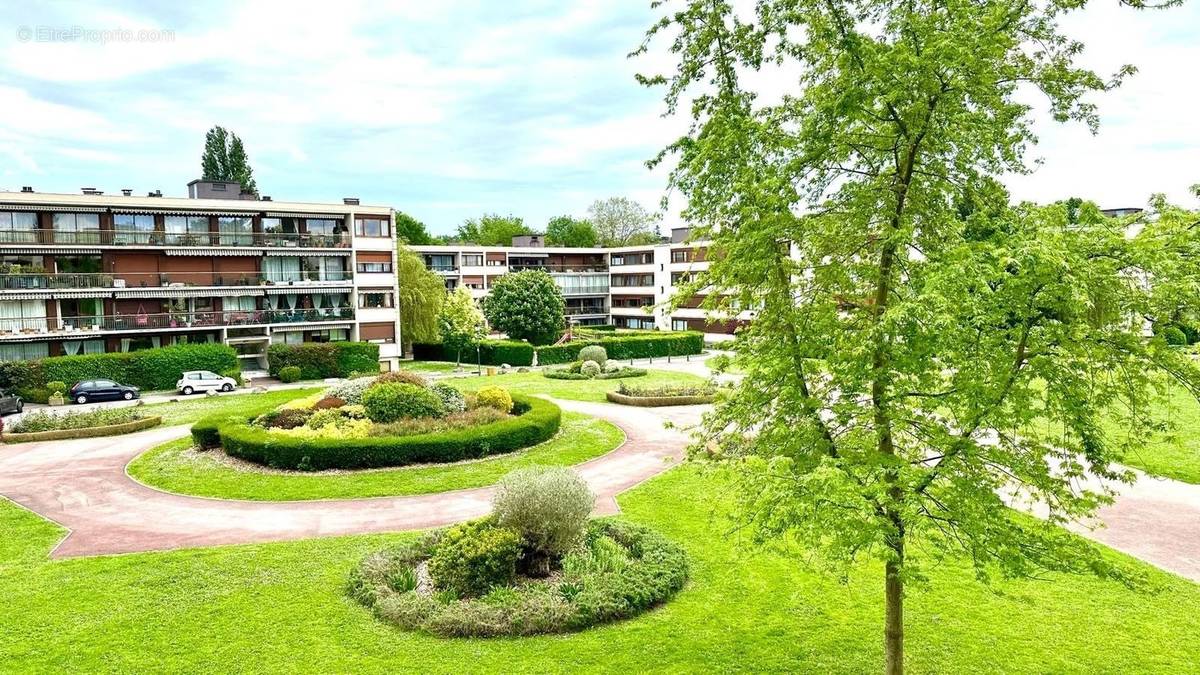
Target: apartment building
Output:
{"points": [[626, 286], [93, 272]]}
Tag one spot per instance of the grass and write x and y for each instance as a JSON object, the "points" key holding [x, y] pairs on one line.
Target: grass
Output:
{"points": [[188, 409], [1174, 454], [428, 366], [576, 390], [281, 608], [175, 467]]}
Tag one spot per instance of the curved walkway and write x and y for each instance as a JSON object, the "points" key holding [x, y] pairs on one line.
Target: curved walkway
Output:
{"points": [[82, 485]]}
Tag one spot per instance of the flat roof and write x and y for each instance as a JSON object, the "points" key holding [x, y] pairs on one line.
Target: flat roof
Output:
{"points": [[184, 203]]}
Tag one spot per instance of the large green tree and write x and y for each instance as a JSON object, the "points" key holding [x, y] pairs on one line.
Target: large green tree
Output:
{"points": [[409, 230], [573, 232], [491, 230], [225, 158], [620, 221], [912, 361], [460, 322], [526, 305], [421, 296]]}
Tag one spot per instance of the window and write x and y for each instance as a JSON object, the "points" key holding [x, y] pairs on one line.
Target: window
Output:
{"points": [[375, 268], [634, 280], [18, 227], [25, 351], [186, 230], [281, 231], [679, 324], [73, 347], [331, 335], [77, 228], [681, 255], [322, 226], [235, 231], [291, 337], [131, 228], [240, 303], [440, 263], [372, 227], [639, 258], [375, 299], [281, 269], [591, 284], [324, 268], [472, 260], [22, 315], [681, 278]]}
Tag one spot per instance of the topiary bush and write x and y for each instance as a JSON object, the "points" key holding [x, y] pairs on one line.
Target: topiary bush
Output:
{"points": [[594, 353], [526, 305], [494, 397], [1174, 336], [452, 399], [472, 558], [392, 401], [289, 374], [589, 369], [548, 506], [402, 377]]}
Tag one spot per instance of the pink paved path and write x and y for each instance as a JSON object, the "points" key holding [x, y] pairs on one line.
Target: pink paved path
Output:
{"points": [[82, 485]]}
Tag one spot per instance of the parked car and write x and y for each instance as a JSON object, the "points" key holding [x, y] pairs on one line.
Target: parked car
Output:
{"points": [[204, 380], [10, 403], [101, 390]]}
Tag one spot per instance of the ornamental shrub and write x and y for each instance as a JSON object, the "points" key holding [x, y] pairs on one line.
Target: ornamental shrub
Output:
{"points": [[328, 402], [351, 391], [589, 369], [549, 506], [324, 418], [1174, 336], [284, 418], [612, 367], [100, 417], [319, 360], [526, 305], [473, 558], [494, 397], [401, 376], [289, 374], [452, 399], [235, 375], [594, 353], [57, 387], [390, 402]]}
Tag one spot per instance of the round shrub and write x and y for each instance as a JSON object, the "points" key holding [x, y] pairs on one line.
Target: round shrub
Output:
{"points": [[351, 391], [589, 369], [593, 353], [401, 377], [288, 374], [56, 387], [390, 402], [1174, 336], [452, 399], [234, 374], [549, 506], [494, 397], [612, 367], [284, 418], [324, 418], [472, 558], [328, 402]]}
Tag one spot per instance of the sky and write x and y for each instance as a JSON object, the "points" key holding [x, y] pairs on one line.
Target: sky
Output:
{"points": [[448, 110]]}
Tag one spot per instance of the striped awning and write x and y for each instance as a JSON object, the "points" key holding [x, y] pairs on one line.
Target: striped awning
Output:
{"points": [[321, 216], [180, 212], [298, 251], [42, 248], [285, 290], [187, 292], [314, 325], [214, 251], [47, 207]]}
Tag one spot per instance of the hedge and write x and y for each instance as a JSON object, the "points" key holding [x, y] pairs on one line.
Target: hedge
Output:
{"points": [[537, 420], [657, 401], [319, 360], [149, 369], [564, 374], [621, 347], [491, 353], [86, 432]]}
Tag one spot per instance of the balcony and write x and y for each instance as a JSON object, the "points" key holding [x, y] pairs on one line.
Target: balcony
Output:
{"points": [[178, 239], [28, 327], [585, 311], [442, 268], [24, 281], [561, 269]]}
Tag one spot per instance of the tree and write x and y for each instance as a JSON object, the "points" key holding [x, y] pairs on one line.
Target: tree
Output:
{"points": [[225, 158], [572, 232], [909, 362], [526, 305], [460, 322], [411, 231], [420, 302], [621, 222], [491, 230]]}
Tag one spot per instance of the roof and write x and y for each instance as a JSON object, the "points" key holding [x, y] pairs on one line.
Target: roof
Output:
{"points": [[155, 204]]}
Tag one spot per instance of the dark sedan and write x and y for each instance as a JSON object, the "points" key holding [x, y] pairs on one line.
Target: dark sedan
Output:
{"points": [[10, 403], [101, 390]]}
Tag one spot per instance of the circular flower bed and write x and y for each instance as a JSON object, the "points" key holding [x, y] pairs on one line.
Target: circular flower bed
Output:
{"points": [[534, 567], [48, 426], [665, 395], [392, 420]]}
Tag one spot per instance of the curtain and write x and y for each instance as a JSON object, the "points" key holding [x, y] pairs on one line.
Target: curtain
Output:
{"points": [[282, 268], [317, 299], [93, 346], [71, 347], [292, 299]]}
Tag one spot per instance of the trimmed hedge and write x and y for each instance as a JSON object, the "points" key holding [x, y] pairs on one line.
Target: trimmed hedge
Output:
{"points": [[657, 401], [86, 432], [491, 353], [634, 346], [537, 420], [319, 360], [564, 374], [149, 369]]}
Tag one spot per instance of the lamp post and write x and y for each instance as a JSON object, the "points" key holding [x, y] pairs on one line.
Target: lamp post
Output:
{"points": [[478, 361]]}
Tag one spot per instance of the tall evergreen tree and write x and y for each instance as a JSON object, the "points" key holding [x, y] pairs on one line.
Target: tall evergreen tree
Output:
{"points": [[239, 165], [225, 158], [411, 231]]}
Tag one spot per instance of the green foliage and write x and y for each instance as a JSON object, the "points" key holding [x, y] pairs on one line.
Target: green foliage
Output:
{"points": [[411, 231], [526, 305], [491, 230], [46, 421], [589, 369], [494, 397], [548, 506], [392, 401], [319, 360], [570, 232], [402, 377], [351, 391], [619, 221], [535, 420], [235, 375], [472, 558], [613, 371], [421, 296], [460, 323], [1174, 336], [289, 374], [57, 387], [491, 353], [627, 346], [225, 158], [150, 369], [284, 418], [594, 353], [451, 398]]}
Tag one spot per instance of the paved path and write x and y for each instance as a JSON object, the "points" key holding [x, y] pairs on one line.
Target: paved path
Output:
{"points": [[82, 485]]}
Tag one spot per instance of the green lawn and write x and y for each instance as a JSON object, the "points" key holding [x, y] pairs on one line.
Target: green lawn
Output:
{"points": [[576, 390], [280, 608], [175, 467], [1175, 454], [188, 409], [428, 366]]}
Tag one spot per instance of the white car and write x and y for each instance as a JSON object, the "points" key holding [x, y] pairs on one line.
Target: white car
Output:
{"points": [[204, 380]]}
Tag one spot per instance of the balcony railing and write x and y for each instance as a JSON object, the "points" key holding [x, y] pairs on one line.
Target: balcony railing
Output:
{"points": [[576, 311], [561, 269], [141, 322], [193, 239], [442, 268], [19, 281]]}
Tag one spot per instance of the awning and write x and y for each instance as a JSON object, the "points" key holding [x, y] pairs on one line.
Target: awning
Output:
{"points": [[300, 251], [35, 248], [187, 292], [180, 212], [303, 288], [214, 251], [320, 216], [77, 293], [314, 325], [46, 207]]}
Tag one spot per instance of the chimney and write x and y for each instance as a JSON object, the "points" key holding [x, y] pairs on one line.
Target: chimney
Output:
{"points": [[91, 191], [266, 198], [127, 192], [350, 201], [156, 193], [27, 188]]}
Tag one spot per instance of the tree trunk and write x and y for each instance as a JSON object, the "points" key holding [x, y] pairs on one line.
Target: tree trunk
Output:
{"points": [[893, 630]]}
